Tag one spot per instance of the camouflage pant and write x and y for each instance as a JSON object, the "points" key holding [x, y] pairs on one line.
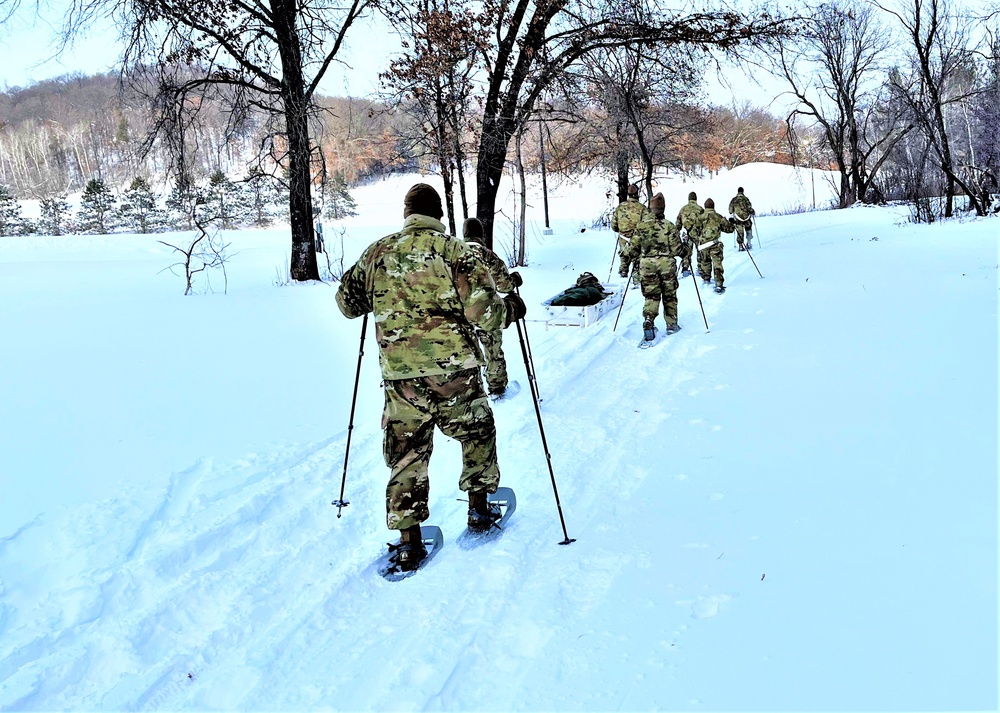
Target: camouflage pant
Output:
{"points": [[457, 405], [496, 365], [709, 259], [658, 281], [743, 229]]}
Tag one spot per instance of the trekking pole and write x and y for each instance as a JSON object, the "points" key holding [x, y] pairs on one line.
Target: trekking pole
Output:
{"points": [[613, 254], [548, 456], [530, 364], [694, 280], [340, 502], [753, 229], [622, 306], [749, 255]]}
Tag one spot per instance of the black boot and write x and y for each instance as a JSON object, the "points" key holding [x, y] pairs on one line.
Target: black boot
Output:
{"points": [[648, 330], [410, 551], [482, 513]]}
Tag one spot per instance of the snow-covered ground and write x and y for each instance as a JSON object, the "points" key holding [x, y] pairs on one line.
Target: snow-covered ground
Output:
{"points": [[796, 510]]}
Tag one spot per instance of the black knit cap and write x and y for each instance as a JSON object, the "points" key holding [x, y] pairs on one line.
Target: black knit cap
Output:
{"points": [[422, 199], [740, 189], [692, 196], [472, 229], [709, 203]]}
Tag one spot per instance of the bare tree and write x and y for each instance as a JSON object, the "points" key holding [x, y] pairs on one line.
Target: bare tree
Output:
{"points": [[940, 57], [535, 41], [268, 55], [835, 72]]}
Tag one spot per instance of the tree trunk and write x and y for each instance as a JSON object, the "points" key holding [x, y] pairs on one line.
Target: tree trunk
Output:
{"points": [[521, 252], [303, 265]]}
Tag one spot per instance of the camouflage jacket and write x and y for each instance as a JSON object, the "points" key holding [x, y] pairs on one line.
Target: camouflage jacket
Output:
{"points": [[496, 267], [628, 216], [690, 217], [427, 290], [740, 206], [713, 225], [656, 238]]}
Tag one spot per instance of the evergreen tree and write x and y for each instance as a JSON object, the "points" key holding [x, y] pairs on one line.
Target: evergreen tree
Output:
{"points": [[139, 210], [220, 204], [339, 203], [55, 216], [11, 222], [96, 208], [258, 198], [181, 203]]}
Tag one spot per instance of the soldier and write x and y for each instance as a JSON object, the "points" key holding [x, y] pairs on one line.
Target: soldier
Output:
{"points": [[689, 219], [506, 282], [740, 211], [654, 247], [428, 291], [710, 245], [626, 219]]}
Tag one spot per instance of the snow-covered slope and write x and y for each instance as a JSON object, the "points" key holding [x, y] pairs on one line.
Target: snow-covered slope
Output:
{"points": [[796, 510]]}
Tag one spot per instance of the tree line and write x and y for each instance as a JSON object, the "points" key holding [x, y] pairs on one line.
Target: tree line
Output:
{"points": [[901, 100]]}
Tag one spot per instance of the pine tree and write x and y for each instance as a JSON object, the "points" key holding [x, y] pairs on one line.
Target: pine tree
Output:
{"points": [[181, 203], [339, 203], [258, 198], [11, 222], [139, 210], [55, 216], [220, 203], [96, 208]]}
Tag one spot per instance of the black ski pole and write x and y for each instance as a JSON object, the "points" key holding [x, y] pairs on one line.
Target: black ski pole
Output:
{"points": [[613, 254], [541, 430], [340, 502], [694, 254], [531, 360], [622, 306], [753, 229], [750, 255]]}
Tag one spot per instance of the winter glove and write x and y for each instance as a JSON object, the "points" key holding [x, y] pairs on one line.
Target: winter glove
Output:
{"points": [[684, 235], [753, 212], [515, 308], [516, 279], [732, 218]]}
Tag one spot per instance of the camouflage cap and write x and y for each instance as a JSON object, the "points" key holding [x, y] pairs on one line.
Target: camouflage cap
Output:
{"points": [[422, 199]]}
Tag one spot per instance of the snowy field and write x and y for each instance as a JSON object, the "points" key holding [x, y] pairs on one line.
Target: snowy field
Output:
{"points": [[794, 511]]}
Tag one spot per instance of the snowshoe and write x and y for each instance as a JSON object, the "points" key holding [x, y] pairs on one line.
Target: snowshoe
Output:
{"points": [[648, 331], [410, 554], [513, 389], [719, 289], [673, 328], [488, 514]]}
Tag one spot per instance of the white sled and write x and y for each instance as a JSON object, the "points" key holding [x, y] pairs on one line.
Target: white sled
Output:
{"points": [[578, 316]]}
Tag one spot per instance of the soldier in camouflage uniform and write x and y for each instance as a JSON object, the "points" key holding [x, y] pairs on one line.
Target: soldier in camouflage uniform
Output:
{"points": [[506, 282], [428, 292], [740, 211], [709, 245], [654, 247], [627, 217], [689, 220]]}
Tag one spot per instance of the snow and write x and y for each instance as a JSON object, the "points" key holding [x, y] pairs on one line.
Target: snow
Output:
{"points": [[796, 510]]}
